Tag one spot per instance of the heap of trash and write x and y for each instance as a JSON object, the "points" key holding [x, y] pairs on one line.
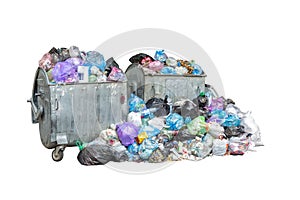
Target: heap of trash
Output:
{"points": [[160, 130]]}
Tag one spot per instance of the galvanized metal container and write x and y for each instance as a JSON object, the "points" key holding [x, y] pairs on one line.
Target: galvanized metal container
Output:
{"points": [[68, 113], [176, 87]]}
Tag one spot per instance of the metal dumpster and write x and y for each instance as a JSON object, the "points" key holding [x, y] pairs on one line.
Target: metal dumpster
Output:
{"points": [[176, 87], [72, 112]]}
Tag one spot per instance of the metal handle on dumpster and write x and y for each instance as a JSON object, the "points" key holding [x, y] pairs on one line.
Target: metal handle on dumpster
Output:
{"points": [[37, 112]]}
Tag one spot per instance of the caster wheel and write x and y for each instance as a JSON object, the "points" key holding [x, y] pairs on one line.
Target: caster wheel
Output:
{"points": [[57, 155]]}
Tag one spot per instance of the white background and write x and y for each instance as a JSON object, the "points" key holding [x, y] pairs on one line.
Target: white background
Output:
{"points": [[255, 46]]}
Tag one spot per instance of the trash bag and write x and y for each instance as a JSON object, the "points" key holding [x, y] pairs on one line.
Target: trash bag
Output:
{"points": [[161, 105], [157, 122], [172, 62], [183, 135], [233, 131], [146, 148], [157, 156], [231, 120], [74, 52], [116, 74], [46, 62], [135, 118], [239, 145], [197, 69], [181, 70], [139, 57], [166, 135], [110, 63], [150, 130], [156, 66], [251, 127], [220, 146], [174, 121], [127, 132], [160, 55], [189, 109], [217, 116], [168, 70], [198, 126], [100, 153], [94, 58], [216, 104], [133, 148], [199, 149], [136, 104], [201, 100], [109, 136], [215, 129], [65, 72]]}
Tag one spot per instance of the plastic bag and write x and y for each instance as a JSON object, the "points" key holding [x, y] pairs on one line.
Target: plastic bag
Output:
{"points": [[217, 116], [139, 57], [116, 74], [146, 148], [156, 65], [215, 129], [94, 58], [136, 104], [197, 126], [197, 69], [135, 118], [251, 127], [234, 131], [183, 135], [199, 149], [65, 72], [74, 52], [189, 109], [157, 156], [172, 62], [133, 148], [110, 63], [239, 145], [216, 104], [220, 146], [127, 132], [141, 137], [157, 122], [166, 135], [168, 70], [109, 136], [231, 120], [161, 105], [160, 55], [100, 153], [150, 130], [46, 62], [174, 121]]}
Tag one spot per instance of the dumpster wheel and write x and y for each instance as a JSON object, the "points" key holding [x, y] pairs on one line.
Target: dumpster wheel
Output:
{"points": [[58, 153]]}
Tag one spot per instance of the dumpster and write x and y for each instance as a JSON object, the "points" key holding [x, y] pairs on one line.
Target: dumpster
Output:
{"points": [[177, 87], [75, 112]]}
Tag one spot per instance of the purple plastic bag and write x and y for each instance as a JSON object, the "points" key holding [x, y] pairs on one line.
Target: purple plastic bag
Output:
{"points": [[64, 72], [127, 132], [216, 104]]}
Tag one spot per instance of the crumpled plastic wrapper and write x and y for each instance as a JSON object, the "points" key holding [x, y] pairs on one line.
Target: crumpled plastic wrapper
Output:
{"points": [[136, 104], [141, 137], [174, 121], [220, 147], [198, 126], [251, 127], [181, 70], [172, 62], [100, 153], [127, 132], [116, 74]]}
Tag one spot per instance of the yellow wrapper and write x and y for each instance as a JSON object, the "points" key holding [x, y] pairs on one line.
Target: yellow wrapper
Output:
{"points": [[141, 137]]}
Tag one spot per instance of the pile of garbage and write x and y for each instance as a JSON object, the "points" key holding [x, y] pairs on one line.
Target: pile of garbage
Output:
{"points": [[162, 64], [71, 65], [159, 130]]}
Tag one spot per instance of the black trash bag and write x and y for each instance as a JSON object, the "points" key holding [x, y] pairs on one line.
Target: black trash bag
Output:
{"points": [[109, 64], [189, 109], [99, 154], [183, 135], [139, 57], [59, 55], [233, 131], [162, 106]]}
